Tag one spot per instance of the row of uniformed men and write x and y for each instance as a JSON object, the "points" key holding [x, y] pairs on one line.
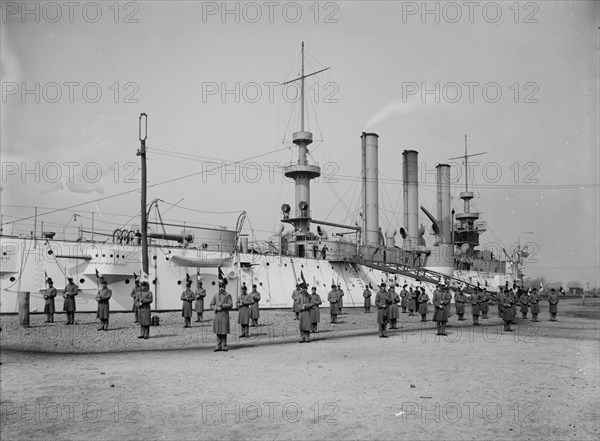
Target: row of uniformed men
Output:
{"points": [[307, 306], [69, 306], [387, 301]]}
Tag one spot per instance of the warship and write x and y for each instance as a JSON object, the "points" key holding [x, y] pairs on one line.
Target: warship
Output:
{"points": [[300, 250]]}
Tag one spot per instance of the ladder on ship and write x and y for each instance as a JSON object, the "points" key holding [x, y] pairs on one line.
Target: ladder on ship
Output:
{"points": [[422, 274]]}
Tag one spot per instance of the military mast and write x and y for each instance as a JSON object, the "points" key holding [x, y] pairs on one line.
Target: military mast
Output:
{"points": [[302, 172], [467, 234]]}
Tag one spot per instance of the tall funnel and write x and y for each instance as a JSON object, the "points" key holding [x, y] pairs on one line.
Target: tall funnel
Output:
{"points": [[444, 216], [410, 174], [370, 189]]}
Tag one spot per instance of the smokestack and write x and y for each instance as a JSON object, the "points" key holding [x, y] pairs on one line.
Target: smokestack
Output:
{"points": [[443, 203], [370, 189], [410, 174]]}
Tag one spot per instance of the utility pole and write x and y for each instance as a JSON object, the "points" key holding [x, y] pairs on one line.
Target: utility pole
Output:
{"points": [[143, 134]]}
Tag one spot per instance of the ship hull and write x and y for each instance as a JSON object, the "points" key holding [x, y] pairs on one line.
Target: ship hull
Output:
{"points": [[27, 263]]}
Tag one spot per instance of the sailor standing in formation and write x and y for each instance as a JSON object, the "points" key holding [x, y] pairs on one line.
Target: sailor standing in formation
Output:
{"points": [[553, 304], [295, 296], [305, 305], [524, 301], [534, 300], [484, 306], [404, 301], [221, 304], [475, 299], [200, 295], [187, 297], [332, 298], [49, 297], [423, 309], [103, 298], [69, 293], [459, 302], [144, 311], [367, 297], [515, 299], [315, 313], [255, 307], [505, 299], [441, 302], [135, 293], [382, 301], [243, 304], [340, 298], [394, 309]]}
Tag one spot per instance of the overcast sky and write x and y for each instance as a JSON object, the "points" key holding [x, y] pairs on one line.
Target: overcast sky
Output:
{"points": [[520, 79]]}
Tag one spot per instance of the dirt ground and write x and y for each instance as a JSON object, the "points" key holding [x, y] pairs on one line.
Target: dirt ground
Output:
{"points": [[539, 382]]}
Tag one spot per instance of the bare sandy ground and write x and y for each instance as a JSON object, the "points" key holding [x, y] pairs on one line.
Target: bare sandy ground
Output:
{"points": [[541, 382]]}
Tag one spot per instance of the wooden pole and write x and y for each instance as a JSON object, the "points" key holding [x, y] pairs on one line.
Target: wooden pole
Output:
{"points": [[23, 301]]}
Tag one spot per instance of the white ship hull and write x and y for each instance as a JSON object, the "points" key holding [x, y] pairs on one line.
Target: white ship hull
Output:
{"points": [[26, 264]]}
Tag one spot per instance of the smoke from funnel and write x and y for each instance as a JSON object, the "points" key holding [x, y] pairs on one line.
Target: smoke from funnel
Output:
{"points": [[391, 111]]}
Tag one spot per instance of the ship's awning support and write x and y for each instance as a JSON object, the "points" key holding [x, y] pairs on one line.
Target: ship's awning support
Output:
{"points": [[422, 274]]}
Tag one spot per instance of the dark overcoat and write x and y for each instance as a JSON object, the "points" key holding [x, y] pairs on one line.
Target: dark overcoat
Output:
{"points": [[367, 296], [49, 307], [382, 301], [315, 313], [200, 294], [305, 305], [70, 291], [423, 299], [255, 307], [244, 312], [144, 311], [187, 297], [221, 321], [553, 302], [394, 309], [332, 298], [103, 298]]}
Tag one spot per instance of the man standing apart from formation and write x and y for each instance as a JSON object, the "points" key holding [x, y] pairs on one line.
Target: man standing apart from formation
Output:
{"points": [[553, 304], [315, 313], [255, 307], [49, 296], [382, 301], [200, 295], [135, 293], [187, 297], [334, 309], [144, 311], [367, 296], [103, 298], [70, 291], [221, 304]]}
